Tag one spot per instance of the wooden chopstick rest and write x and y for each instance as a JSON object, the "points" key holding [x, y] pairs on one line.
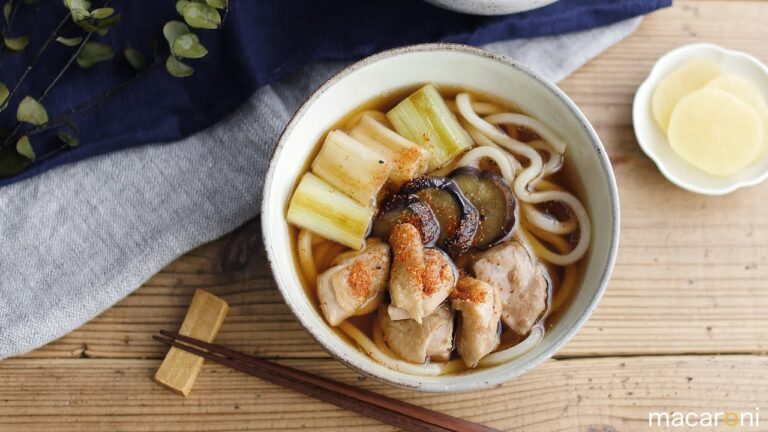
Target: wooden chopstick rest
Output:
{"points": [[204, 317]]}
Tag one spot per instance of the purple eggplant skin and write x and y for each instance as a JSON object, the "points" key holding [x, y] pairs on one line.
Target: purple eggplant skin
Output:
{"points": [[497, 210], [410, 209], [458, 218]]}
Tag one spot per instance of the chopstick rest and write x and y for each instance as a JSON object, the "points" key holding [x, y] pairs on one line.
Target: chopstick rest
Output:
{"points": [[203, 320]]}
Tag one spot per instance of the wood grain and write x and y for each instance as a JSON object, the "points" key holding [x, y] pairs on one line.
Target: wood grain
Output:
{"points": [[691, 280], [597, 394]]}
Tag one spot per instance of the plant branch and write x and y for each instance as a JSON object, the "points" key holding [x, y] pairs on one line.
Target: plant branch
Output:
{"points": [[8, 26], [71, 60], [66, 67], [94, 102], [37, 56]]}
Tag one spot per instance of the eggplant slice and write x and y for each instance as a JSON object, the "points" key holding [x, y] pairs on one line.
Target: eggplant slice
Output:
{"points": [[494, 200], [410, 209], [457, 217]]}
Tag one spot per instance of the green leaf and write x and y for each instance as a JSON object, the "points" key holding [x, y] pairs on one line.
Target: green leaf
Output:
{"points": [[11, 162], [78, 9], [24, 148], [180, 5], [7, 12], [188, 46], [4, 93], [200, 15], [87, 26], [70, 42], [94, 52], [177, 68], [18, 44], [106, 24], [135, 58], [218, 4], [79, 14], [68, 139], [174, 29], [32, 112], [102, 13], [70, 125]]}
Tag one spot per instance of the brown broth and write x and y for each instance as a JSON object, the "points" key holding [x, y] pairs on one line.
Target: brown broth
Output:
{"points": [[567, 178]]}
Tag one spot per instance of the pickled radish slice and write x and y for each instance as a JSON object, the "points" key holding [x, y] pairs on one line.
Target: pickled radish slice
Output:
{"points": [[716, 131], [689, 77], [749, 93]]}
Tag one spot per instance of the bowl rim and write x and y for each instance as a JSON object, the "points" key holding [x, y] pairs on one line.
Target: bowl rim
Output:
{"points": [[643, 97], [412, 382], [491, 7]]}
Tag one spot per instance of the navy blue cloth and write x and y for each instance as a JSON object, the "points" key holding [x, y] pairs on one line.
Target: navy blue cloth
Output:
{"points": [[260, 42]]}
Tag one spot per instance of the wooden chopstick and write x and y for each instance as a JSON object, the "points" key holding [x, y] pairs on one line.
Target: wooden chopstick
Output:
{"points": [[385, 409], [352, 404]]}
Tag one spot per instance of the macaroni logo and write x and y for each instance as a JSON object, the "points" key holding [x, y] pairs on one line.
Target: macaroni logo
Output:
{"points": [[704, 419]]}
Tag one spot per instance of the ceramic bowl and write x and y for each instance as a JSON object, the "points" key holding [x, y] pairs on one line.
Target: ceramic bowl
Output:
{"points": [[653, 140], [454, 65], [490, 7]]}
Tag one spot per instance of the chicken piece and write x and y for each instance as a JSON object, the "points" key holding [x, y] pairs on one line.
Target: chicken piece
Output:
{"points": [[414, 342], [355, 285], [522, 280], [421, 277], [480, 307]]}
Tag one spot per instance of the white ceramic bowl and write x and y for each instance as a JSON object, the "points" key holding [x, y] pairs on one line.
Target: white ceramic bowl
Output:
{"points": [[453, 65], [653, 140], [490, 7]]}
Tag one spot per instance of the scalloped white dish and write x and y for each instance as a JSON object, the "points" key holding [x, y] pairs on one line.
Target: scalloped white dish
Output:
{"points": [[653, 140]]}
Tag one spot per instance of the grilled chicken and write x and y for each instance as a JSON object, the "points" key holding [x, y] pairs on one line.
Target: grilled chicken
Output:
{"points": [[522, 280], [355, 285], [480, 307], [414, 342], [421, 277]]}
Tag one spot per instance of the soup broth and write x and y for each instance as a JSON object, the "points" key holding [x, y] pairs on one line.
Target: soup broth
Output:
{"points": [[525, 244]]}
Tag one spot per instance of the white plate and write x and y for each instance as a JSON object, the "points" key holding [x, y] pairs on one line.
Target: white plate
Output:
{"points": [[653, 140]]}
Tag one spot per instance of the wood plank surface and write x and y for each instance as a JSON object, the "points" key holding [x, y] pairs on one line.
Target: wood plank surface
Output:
{"points": [[590, 394], [691, 281]]}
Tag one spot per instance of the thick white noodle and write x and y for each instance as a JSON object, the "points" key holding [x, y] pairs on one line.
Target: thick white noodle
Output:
{"points": [[555, 161], [307, 257], [373, 351], [547, 222], [484, 141], [499, 357], [530, 174], [378, 339], [482, 108], [472, 158], [548, 135], [568, 281]]}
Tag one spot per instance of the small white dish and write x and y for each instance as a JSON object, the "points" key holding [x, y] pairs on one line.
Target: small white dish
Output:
{"points": [[453, 65], [490, 7], [653, 140]]}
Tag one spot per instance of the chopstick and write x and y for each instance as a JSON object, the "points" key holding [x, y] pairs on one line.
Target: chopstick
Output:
{"points": [[382, 408]]}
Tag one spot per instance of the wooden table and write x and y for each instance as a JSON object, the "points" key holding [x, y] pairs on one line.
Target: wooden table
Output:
{"points": [[682, 326]]}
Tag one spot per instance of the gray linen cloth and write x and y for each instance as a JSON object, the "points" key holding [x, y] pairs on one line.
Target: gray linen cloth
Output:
{"points": [[77, 239]]}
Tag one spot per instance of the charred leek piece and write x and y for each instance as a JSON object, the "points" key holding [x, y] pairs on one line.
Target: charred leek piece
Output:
{"points": [[407, 159], [351, 167], [327, 212], [425, 119]]}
